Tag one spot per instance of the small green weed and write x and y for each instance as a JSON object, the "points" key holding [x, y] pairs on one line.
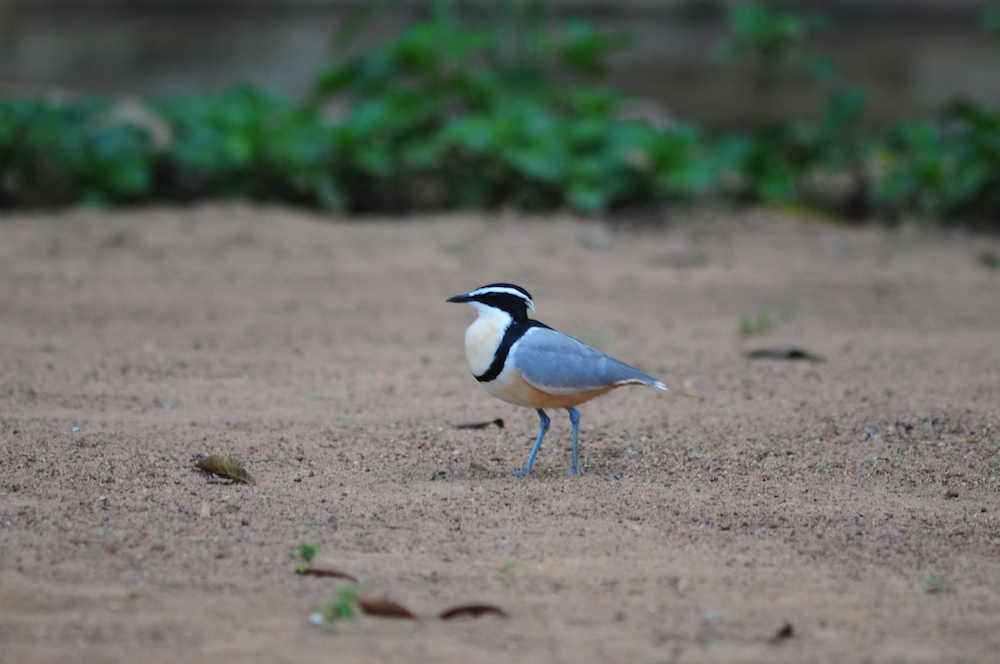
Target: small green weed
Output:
{"points": [[764, 322], [934, 584], [342, 607], [305, 554]]}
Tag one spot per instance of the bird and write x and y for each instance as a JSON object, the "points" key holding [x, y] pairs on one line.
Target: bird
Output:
{"points": [[524, 362]]}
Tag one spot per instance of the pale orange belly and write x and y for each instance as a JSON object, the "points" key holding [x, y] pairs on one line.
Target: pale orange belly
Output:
{"points": [[512, 388]]}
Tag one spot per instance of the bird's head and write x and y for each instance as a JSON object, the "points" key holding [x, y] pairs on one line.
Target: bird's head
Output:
{"points": [[508, 298]]}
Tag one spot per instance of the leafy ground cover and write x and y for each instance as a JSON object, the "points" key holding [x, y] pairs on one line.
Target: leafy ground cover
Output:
{"points": [[498, 108]]}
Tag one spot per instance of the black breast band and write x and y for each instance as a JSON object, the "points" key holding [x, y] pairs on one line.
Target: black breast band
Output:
{"points": [[514, 332]]}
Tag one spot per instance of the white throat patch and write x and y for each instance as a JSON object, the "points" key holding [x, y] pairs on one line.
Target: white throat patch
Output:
{"points": [[483, 337]]}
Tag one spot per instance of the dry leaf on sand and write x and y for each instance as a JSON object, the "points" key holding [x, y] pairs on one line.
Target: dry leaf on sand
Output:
{"points": [[321, 571], [225, 466], [478, 424], [471, 610], [384, 608]]}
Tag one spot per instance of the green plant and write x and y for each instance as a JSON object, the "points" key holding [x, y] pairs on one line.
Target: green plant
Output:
{"points": [[455, 114], [305, 553], [764, 322], [486, 104], [342, 607], [782, 160], [771, 163], [773, 38], [248, 144], [937, 585], [58, 153], [949, 168]]}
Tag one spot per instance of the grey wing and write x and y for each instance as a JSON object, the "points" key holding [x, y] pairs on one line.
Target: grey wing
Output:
{"points": [[558, 364]]}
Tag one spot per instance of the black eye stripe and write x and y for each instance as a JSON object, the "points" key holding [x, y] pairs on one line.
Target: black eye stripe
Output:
{"points": [[512, 304]]}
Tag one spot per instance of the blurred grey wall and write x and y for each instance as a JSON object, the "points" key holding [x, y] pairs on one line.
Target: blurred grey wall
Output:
{"points": [[912, 55]]}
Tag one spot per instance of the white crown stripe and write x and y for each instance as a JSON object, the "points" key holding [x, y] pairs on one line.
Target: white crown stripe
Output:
{"points": [[503, 290], [495, 290]]}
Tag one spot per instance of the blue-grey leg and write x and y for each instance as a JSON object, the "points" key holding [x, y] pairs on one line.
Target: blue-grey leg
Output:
{"points": [[538, 444], [574, 417]]}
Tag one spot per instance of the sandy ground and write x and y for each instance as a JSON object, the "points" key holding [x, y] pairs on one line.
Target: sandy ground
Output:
{"points": [[855, 499]]}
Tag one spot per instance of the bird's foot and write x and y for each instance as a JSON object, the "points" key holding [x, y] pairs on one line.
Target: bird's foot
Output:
{"points": [[575, 469], [521, 473]]}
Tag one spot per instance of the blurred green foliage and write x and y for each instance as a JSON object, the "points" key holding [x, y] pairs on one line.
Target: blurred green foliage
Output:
{"points": [[449, 115], [944, 168], [778, 161], [775, 162], [496, 107], [247, 144], [774, 38], [991, 19], [55, 154]]}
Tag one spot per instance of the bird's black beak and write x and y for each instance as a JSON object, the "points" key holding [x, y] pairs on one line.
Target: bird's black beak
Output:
{"points": [[459, 298]]}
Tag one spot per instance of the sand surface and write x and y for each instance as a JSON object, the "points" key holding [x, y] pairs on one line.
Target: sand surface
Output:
{"points": [[855, 499]]}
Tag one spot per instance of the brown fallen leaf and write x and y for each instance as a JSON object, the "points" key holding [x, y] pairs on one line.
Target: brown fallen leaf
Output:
{"points": [[384, 608], [472, 610], [478, 424], [225, 466], [321, 571], [782, 353]]}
